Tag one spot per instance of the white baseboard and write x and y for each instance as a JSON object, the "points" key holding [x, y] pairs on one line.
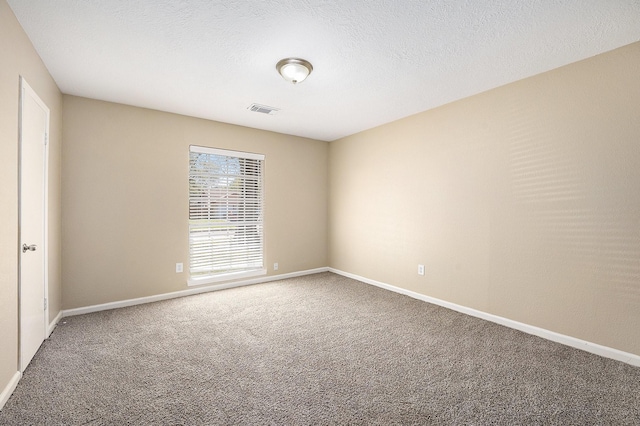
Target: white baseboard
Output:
{"points": [[8, 390], [182, 293], [53, 324], [593, 348], [11, 386], [574, 342]]}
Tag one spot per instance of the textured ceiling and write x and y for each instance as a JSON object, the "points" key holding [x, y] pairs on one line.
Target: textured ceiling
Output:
{"points": [[374, 61]]}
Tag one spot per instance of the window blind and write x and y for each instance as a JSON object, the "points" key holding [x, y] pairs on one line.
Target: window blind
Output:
{"points": [[225, 214]]}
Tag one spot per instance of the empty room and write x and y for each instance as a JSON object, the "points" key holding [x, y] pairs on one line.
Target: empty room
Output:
{"points": [[319, 212]]}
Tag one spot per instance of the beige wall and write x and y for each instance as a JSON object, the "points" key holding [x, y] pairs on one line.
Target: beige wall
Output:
{"points": [[522, 202], [18, 57], [125, 206]]}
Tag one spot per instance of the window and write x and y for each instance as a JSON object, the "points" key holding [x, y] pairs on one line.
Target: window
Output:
{"points": [[225, 215]]}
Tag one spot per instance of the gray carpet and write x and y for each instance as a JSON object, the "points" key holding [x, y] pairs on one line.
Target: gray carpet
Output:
{"points": [[321, 349]]}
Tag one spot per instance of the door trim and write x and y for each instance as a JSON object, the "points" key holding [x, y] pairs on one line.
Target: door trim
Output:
{"points": [[24, 89]]}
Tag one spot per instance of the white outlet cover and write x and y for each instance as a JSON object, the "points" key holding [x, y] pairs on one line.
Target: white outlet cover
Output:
{"points": [[420, 269], [179, 268], [275, 266]]}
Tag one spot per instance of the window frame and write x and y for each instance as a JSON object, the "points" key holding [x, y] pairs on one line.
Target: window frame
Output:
{"points": [[227, 276]]}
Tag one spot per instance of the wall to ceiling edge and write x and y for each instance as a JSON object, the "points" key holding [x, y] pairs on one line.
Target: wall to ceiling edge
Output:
{"points": [[19, 58], [521, 202]]}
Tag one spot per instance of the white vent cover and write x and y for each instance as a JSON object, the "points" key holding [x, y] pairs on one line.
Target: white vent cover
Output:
{"points": [[263, 109]]}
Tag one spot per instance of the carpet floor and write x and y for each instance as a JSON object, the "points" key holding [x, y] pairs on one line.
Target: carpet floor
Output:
{"points": [[319, 349]]}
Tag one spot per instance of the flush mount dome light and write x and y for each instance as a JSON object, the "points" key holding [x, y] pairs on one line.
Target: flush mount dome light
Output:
{"points": [[294, 70]]}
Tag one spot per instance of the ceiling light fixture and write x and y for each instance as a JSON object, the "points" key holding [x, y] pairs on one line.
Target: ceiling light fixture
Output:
{"points": [[294, 70]]}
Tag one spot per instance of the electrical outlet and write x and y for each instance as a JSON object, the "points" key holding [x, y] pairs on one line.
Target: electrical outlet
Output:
{"points": [[178, 268], [275, 266], [420, 269]]}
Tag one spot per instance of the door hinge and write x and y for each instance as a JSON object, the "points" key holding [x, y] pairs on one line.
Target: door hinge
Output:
{"points": [[45, 304]]}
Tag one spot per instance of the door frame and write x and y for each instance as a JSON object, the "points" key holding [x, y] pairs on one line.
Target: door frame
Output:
{"points": [[25, 89]]}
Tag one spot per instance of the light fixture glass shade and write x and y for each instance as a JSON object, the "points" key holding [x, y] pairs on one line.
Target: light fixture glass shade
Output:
{"points": [[294, 70]]}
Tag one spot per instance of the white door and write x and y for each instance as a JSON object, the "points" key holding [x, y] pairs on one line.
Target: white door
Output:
{"points": [[34, 129]]}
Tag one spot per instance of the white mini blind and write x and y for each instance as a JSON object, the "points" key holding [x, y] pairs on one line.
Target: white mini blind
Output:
{"points": [[225, 214]]}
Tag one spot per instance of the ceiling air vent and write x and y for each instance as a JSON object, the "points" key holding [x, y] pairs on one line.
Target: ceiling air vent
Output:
{"points": [[263, 109]]}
